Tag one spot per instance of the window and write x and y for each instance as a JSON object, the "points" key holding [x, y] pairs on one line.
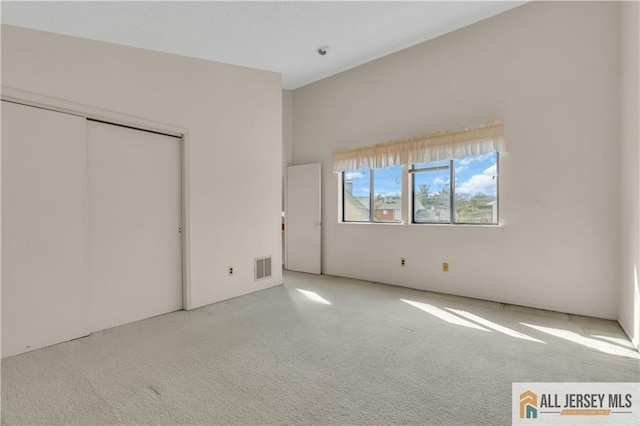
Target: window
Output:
{"points": [[473, 181], [457, 191], [431, 189], [372, 195], [461, 189]]}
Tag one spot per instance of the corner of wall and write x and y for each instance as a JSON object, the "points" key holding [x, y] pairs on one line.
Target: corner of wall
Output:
{"points": [[287, 126], [629, 196]]}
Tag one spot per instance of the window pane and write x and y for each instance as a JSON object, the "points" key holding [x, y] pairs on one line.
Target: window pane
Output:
{"points": [[357, 186], [387, 202], [431, 188], [476, 199]]}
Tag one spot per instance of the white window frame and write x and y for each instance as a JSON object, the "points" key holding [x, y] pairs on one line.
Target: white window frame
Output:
{"points": [[372, 199], [452, 187], [407, 212]]}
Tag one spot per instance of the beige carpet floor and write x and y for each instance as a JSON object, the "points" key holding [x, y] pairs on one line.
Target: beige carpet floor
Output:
{"points": [[316, 350]]}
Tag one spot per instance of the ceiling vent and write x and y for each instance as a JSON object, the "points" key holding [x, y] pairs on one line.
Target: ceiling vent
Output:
{"points": [[262, 268]]}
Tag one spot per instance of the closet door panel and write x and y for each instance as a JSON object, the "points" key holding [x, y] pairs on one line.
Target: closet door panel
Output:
{"points": [[45, 278], [135, 219]]}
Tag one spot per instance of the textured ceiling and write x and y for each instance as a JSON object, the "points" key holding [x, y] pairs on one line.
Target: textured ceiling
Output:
{"points": [[271, 35]]}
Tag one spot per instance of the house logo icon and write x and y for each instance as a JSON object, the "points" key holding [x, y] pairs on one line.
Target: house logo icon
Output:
{"points": [[528, 405]]}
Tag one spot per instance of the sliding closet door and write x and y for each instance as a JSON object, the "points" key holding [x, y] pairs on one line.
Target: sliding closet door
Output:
{"points": [[134, 224], [44, 228]]}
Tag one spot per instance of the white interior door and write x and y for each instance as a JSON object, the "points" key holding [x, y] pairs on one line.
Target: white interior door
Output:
{"points": [[44, 228], [303, 218], [134, 224]]}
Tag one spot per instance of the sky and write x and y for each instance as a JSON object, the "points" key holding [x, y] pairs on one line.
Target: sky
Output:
{"points": [[474, 175]]}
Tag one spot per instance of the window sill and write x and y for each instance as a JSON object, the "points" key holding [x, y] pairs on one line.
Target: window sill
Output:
{"points": [[460, 225], [372, 223], [499, 226]]}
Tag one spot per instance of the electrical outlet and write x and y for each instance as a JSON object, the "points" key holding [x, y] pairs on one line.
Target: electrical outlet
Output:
{"points": [[230, 270], [445, 267], [402, 261]]}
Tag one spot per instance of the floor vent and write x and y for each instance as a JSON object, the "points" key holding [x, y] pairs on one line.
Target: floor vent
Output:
{"points": [[263, 267]]}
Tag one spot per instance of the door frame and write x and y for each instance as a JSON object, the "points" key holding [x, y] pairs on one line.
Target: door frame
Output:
{"points": [[23, 97]]}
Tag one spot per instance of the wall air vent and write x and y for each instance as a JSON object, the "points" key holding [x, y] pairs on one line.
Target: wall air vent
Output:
{"points": [[262, 268]]}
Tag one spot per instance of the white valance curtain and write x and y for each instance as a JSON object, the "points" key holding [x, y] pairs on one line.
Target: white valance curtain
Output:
{"points": [[422, 149]]}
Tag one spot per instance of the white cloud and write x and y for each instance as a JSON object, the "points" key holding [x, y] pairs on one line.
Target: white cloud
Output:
{"points": [[480, 184], [439, 181], [466, 161], [491, 171], [463, 164], [353, 175], [388, 194]]}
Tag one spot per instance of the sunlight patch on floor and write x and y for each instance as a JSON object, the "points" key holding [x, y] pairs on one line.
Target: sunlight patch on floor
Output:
{"points": [[598, 345], [312, 295], [443, 315], [492, 325], [616, 340]]}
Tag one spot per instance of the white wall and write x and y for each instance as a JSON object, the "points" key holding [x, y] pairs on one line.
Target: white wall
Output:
{"points": [[550, 71], [287, 154], [630, 173], [287, 126], [233, 119], [0, 215]]}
